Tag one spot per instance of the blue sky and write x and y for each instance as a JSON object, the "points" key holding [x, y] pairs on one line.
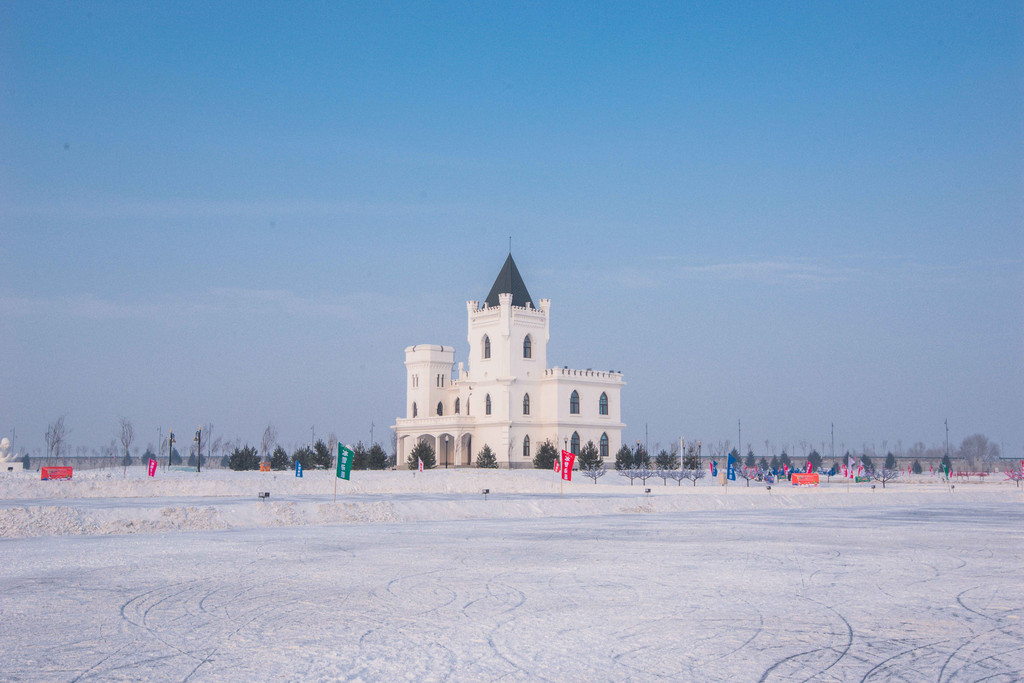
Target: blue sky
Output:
{"points": [[793, 215]]}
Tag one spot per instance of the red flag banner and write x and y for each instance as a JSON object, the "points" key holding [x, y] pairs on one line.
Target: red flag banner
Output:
{"points": [[558, 464], [567, 461], [152, 466]]}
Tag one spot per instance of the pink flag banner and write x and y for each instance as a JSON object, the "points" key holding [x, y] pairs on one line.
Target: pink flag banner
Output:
{"points": [[152, 467]]}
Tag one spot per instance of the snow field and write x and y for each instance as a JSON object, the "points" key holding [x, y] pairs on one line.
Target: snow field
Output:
{"points": [[108, 502], [864, 593]]}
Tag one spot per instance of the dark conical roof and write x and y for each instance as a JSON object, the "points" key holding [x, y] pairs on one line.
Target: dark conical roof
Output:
{"points": [[509, 281]]}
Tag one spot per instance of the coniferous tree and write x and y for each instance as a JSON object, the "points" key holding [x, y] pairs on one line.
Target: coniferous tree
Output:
{"points": [[916, 467], [691, 461], [546, 455], [890, 461], [641, 458], [323, 459], [360, 457], [869, 467], [815, 459], [424, 452], [279, 459], [486, 458], [666, 461], [589, 458], [624, 458], [244, 458], [751, 460], [304, 456], [376, 458], [784, 460]]}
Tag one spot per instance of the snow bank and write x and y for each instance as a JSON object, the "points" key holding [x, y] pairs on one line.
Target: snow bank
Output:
{"points": [[109, 502]]}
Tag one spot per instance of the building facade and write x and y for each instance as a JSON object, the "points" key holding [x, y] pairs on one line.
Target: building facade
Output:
{"points": [[505, 396]]}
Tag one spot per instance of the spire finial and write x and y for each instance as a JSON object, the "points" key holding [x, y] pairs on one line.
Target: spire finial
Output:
{"points": [[510, 245]]}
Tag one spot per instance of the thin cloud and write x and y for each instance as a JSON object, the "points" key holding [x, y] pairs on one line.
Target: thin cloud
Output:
{"points": [[272, 304], [186, 208]]}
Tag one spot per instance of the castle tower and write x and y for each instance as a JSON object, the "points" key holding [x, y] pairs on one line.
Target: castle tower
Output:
{"points": [[505, 397]]}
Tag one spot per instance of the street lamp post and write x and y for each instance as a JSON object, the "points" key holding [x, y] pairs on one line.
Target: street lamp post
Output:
{"points": [[446, 451]]}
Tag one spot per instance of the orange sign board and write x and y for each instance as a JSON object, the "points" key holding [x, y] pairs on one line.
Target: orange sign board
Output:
{"points": [[804, 479], [56, 472]]}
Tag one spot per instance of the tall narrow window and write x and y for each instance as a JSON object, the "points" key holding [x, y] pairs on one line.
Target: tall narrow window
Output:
{"points": [[440, 409], [603, 406], [526, 446], [487, 405], [414, 409], [526, 404], [527, 347], [487, 346], [574, 443], [604, 445], [574, 404], [456, 406]]}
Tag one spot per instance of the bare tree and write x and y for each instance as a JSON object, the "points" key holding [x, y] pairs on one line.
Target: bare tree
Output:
{"points": [[746, 473], [977, 449], [56, 435], [127, 436], [269, 439], [694, 475], [595, 473], [883, 475]]}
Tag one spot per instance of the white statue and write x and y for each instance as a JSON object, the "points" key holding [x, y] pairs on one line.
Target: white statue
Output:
{"points": [[6, 456]]}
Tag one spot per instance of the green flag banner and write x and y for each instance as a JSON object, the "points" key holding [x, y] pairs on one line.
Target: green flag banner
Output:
{"points": [[344, 462]]}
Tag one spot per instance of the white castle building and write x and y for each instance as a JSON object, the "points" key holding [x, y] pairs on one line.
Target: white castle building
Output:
{"points": [[505, 397]]}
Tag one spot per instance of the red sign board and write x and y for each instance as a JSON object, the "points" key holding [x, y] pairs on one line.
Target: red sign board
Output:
{"points": [[56, 473], [567, 461], [152, 466], [805, 479]]}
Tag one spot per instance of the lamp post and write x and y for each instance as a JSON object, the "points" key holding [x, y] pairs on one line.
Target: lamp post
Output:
{"points": [[446, 451], [170, 448]]}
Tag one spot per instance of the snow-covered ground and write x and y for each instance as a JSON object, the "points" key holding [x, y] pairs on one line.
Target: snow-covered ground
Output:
{"points": [[110, 502], [418, 578]]}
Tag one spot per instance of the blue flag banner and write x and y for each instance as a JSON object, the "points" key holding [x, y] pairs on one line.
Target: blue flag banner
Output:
{"points": [[298, 468], [730, 469], [714, 468]]}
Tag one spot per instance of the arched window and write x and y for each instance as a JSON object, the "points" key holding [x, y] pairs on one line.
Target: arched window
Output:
{"points": [[574, 404], [526, 404], [527, 347], [414, 409], [456, 406], [604, 446], [487, 405], [440, 409], [603, 405], [526, 446], [574, 443], [487, 346]]}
